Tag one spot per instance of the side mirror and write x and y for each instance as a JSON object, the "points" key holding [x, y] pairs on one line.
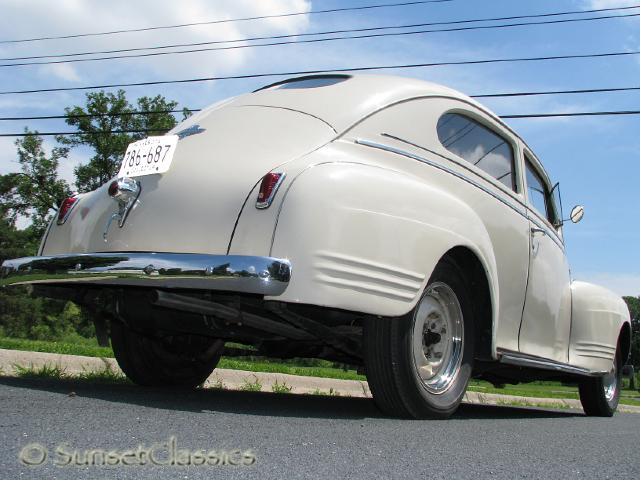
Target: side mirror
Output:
{"points": [[577, 213]]}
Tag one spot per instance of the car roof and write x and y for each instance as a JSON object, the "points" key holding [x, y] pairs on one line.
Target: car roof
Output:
{"points": [[341, 100], [344, 99]]}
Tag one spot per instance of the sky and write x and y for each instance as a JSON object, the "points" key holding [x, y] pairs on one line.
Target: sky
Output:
{"points": [[595, 159]]}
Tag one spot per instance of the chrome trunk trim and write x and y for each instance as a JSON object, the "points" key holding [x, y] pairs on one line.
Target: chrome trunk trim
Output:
{"points": [[236, 273]]}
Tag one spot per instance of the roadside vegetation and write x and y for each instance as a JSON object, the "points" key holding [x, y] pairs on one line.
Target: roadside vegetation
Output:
{"points": [[305, 367], [57, 326], [55, 372]]}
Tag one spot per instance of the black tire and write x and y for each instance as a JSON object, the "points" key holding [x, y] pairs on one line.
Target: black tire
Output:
{"points": [[593, 391], [172, 361], [391, 368]]}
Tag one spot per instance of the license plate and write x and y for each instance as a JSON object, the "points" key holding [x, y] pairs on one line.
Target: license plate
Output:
{"points": [[148, 156]]}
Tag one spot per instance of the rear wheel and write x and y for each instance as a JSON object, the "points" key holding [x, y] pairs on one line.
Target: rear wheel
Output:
{"points": [[175, 360], [419, 365], [600, 395]]}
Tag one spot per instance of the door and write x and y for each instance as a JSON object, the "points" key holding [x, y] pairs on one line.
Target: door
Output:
{"points": [[546, 317]]}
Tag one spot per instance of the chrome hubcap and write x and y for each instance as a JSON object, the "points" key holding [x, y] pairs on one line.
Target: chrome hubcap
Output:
{"points": [[610, 383], [438, 338]]}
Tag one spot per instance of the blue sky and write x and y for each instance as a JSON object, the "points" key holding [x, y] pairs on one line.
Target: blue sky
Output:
{"points": [[596, 159]]}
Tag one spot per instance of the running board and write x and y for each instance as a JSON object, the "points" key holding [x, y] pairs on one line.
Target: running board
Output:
{"points": [[531, 361]]}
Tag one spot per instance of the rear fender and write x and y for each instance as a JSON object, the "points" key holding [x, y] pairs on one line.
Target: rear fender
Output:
{"points": [[367, 238]]}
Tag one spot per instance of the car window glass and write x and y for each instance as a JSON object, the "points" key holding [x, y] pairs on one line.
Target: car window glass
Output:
{"points": [[310, 83], [556, 205], [478, 145], [537, 191]]}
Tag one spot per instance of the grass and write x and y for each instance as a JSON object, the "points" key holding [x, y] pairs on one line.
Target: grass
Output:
{"points": [[281, 387], [47, 372], [545, 390], [523, 403], [55, 372], [250, 364], [302, 367], [88, 349], [331, 392], [271, 366], [249, 386]]}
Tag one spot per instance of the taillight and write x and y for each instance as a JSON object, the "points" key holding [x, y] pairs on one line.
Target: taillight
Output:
{"points": [[124, 189], [268, 188], [65, 209]]}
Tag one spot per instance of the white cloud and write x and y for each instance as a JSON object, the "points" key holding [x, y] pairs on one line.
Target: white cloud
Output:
{"points": [[73, 16], [593, 4], [60, 70], [627, 284], [8, 159]]}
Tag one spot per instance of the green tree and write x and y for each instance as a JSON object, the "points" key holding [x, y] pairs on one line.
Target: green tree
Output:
{"points": [[634, 309], [35, 191], [115, 113]]}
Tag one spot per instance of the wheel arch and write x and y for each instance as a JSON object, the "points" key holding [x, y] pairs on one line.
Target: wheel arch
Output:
{"points": [[408, 243], [481, 295], [624, 341]]}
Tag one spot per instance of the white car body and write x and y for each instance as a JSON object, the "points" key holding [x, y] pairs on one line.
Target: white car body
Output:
{"points": [[369, 203]]}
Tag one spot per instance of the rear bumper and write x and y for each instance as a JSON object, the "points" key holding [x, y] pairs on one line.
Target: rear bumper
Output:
{"points": [[236, 273]]}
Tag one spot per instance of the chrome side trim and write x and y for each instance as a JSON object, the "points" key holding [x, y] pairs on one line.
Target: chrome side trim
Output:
{"points": [[523, 360], [398, 151], [405, 153], [237, 273]]}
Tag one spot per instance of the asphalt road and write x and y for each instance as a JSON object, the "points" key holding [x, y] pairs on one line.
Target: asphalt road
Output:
{"points": [[294, 436]]}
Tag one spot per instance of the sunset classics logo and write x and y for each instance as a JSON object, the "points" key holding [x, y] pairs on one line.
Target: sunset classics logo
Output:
{"points": [[165, 453]]}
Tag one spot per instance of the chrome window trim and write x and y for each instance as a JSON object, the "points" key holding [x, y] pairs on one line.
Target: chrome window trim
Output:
{"points": [[512, 195], [405, 153], [466, 101], [478, 172], [481, 121]]}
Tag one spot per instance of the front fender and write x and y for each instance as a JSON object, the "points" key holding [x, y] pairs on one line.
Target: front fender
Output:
{"points": [[366, 238]]}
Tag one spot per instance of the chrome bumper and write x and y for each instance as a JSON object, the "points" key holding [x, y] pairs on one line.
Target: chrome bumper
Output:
{"points": [[236, 273]]}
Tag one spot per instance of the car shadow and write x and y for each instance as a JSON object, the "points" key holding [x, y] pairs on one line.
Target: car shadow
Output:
{"points": [[258, 403]]}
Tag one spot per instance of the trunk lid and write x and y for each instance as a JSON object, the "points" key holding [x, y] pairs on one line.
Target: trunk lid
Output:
{"points": [[193, 207]]}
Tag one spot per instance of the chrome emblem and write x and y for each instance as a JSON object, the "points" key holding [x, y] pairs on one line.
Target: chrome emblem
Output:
{"points": [[192, 130], [125, 191]]}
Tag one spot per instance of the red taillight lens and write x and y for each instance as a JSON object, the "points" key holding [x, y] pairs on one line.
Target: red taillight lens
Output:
{"points": [[113, 188], [268, 187], [65, 209]]}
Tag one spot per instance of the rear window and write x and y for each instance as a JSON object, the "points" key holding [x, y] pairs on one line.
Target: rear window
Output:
{"points": [[307, 82], [478, 145]]}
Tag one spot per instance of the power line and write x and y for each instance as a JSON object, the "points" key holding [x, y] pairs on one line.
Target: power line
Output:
{"points": [[330, 32], [573, 114], [230, 20], [318, 71], [97, 115], [552, 92], [50, 134], [325, 39], [194, 110], [515, 116]]}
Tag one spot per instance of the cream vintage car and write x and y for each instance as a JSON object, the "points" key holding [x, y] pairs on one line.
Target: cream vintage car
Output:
{"points": [[383, 222]]}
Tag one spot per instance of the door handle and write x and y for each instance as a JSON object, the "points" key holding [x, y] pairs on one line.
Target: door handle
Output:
{"points": [[535, 230]]}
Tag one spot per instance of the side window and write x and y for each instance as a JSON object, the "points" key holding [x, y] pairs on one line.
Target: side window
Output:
{"points": [[478, 145], [539, 196]]}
